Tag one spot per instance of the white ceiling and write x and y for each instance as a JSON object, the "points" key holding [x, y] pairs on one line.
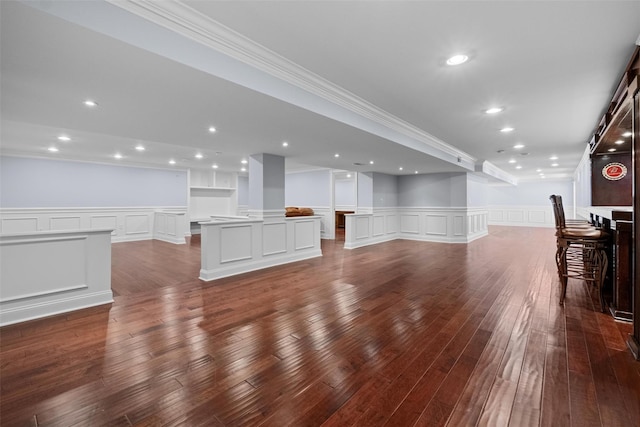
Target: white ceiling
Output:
{"points": [[365, 79]]}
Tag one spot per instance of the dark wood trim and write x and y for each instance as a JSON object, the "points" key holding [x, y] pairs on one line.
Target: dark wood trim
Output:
{"points": [[634, 339]]}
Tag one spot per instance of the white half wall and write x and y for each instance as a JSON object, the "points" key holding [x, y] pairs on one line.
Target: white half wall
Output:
{"points": [[236, 246], [47, 273], [447, 225]]}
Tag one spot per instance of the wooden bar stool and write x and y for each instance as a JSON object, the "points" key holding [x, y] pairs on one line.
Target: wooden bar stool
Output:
{"points": [[581, 252]]}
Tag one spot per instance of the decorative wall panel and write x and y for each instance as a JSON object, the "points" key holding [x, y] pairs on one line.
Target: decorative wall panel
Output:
{"points": [[235, 243]]}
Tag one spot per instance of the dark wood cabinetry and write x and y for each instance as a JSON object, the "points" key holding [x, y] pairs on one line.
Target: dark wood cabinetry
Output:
{"points": [[617, 140], [611, 192]]}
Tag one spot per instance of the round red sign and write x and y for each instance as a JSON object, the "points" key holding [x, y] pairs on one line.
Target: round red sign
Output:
{"points": [[614, 171]]}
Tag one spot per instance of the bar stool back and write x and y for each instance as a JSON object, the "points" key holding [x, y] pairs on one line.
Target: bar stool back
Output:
{"points": [[581, 252]]}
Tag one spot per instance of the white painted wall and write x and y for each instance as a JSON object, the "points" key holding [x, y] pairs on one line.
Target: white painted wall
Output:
{"points": [[345, 192], [43, 183], [582, 178]]}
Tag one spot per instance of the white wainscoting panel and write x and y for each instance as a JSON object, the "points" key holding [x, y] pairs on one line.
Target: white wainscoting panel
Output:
{"points": [[104, 221], [391, 223], [169, 226], [436, 224], [450, 225], [327, 221], [537, 217], [515, 215], [521, 216], [410, 223], [304, 234], [378, 225], [137, 224], [274, 240], [362, 227], [19, 225], [46, 273], [235, 245], [132, 223], [64, 223], [458, 225]]}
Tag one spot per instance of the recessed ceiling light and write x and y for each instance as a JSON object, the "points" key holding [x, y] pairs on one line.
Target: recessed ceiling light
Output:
{"points": [[512, 160], [555, 164], [370, 162], [518, 167], [90, 103], [53, 149], [543, 177], [64, 138], [494, 110], [611, 150], [243, 169], [212, 129], [285, 144], [507, 129], [626, 134], [518, 146], [415, 172], [117, 156], [214, 166], [140, 147], [199, 156], [538, 170], [553, 158], [244, 161], [400, 168], [457, 59], [172, 162], [620, 141], [336, 155]]}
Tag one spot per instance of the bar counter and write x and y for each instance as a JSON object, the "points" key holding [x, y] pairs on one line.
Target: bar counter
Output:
{"points": [[618, 286]]}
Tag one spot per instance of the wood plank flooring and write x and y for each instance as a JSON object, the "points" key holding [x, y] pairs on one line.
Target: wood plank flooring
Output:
{"points": [[402, 334]]}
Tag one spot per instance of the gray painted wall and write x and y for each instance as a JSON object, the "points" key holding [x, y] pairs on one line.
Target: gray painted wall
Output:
{"points": [[308, 188], [432, 190], [365, 190], [477, 191], [385, 190], [43, 183], [243, 190], [534, 193]]}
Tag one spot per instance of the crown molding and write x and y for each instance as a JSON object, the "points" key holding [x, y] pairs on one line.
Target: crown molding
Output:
{"points": [[489, 169], [187, 22]]}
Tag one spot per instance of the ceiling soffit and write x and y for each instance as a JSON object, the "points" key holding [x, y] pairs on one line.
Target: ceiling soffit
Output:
{"points": [[178, 32]]}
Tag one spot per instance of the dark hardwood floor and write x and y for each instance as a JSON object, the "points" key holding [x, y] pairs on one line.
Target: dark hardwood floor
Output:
{"points": [[402, 333]]}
